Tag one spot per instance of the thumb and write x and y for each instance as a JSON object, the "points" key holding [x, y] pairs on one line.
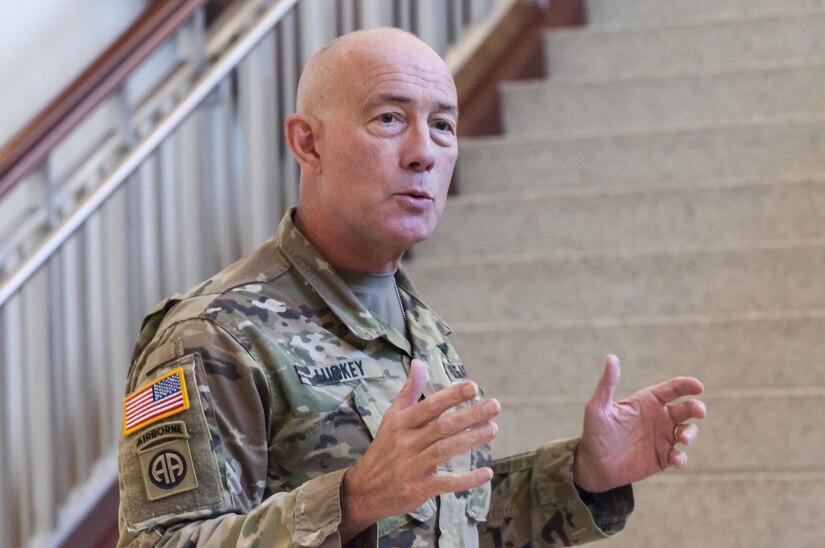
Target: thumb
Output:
{"points": [[411, 392], [603, 396]]}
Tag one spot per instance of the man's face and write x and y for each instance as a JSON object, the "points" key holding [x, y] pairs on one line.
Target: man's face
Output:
{"points": [[387, 144]]}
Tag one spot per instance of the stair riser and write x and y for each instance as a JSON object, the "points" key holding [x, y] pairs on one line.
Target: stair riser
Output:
{"points": [[704, 511], [724, 354], [664, 102], [633, 11], [614, 286], [761, 375], [500, 164], [536, 225], [671, 49], [788, 430]]}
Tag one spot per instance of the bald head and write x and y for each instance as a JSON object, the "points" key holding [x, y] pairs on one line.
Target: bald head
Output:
{"points": [[331, 72], [375, 136]]}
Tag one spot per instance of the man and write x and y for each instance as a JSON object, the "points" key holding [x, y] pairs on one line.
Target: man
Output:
{"points": [[306, 395]]}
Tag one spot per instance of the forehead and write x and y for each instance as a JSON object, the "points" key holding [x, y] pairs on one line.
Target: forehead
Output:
{"points": [[420, 79]]}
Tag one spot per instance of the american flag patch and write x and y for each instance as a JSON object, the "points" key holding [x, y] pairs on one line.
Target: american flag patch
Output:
{"points": [[163, 397]]}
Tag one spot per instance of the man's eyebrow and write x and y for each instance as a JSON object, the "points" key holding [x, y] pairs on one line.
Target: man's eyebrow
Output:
{"points": [[404, 100]]}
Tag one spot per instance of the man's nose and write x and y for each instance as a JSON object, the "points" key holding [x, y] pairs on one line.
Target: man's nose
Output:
{"points": [[419, 151]]}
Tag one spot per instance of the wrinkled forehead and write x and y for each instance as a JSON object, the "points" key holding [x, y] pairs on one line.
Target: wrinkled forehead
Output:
{"points": [[423, 80], [352, 69], [421, 76]]}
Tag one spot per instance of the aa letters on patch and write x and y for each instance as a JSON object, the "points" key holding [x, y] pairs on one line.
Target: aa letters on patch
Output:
{"points": [[161, 398], [338, 372], [166, 460]]}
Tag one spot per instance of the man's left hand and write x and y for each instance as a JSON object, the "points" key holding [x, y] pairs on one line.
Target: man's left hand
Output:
{"points": [[631, 439]]}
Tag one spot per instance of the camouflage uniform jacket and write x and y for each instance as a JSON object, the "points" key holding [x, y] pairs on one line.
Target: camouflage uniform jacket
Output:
{"points": [[249, 396]]}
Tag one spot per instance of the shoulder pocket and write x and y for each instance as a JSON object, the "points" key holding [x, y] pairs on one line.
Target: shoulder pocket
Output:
{"points": [[167, 463]]}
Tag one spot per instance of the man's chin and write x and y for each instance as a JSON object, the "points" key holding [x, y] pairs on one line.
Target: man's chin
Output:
{"points": [[409, 236]]}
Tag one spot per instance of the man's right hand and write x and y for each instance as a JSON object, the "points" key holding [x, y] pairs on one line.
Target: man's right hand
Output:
{"points": [[398, 472]]}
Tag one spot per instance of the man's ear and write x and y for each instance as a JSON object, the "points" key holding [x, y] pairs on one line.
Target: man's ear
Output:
{"points": [[300, 137]]}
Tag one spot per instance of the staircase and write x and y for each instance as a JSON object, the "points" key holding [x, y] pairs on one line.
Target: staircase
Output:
{"points": [[660, 196]]}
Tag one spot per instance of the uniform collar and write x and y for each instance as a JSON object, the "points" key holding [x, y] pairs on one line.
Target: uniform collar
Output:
{"points": [[337, 295]]}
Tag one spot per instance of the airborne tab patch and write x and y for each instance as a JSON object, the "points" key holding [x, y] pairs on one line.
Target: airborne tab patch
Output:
{"points": [[338, 372], [166, 460], [163, 397]]}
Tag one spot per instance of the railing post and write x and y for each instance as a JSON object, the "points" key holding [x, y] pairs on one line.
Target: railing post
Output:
{"points": [[8, 500], [171, 230], [38, 402], [56, 380], [96, 288], [17, 489], [75, 321]]}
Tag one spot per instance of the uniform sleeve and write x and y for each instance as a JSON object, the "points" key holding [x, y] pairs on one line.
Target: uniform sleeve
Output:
{"points": [[535, 502], [193, 456]]}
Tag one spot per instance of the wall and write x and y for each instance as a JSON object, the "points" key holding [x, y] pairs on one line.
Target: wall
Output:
{"points": [[46, 43]]}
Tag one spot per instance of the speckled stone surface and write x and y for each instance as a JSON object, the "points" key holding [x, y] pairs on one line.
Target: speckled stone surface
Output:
{"points": [[790, 435], [770, 149], [673, 45], [627, 283], [660, 197], [716, 95], [599, 12], [727, 510], [648, 217], [747, 351]]}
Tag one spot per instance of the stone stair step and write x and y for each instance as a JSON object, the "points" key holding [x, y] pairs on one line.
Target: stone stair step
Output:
{"points": [[780, 349], [775, 149], [671, 47], [682, 510], [786, 422], [771, 90], [601, 12], [583, 219], [626, 283], [658, 198]]}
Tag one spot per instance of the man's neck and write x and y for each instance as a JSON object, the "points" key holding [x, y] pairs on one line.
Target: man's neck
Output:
{"points": [[337, 249]]}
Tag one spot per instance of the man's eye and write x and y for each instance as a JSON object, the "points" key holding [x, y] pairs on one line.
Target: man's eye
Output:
{"points": [[386, 118], [442, 125]]}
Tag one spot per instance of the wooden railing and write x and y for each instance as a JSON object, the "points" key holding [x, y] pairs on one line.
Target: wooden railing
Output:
{"points": [[31, 146]]}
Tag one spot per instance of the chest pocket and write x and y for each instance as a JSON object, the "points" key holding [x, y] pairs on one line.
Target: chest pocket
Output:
{"points": [[449, 370], [371, 403]]}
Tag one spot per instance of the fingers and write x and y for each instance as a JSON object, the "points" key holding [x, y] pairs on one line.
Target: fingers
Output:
{"points": [[436, 404], [446, 448], [411, 392], [677, 388], [457, 432], [677, 458], [450, 424], [603, 395], [685, 433], [686, 410], [452, 483], [434, 433]]}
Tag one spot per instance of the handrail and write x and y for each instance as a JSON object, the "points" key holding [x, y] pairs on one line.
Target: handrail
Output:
{"points": [[30, 147], [143, 149]]}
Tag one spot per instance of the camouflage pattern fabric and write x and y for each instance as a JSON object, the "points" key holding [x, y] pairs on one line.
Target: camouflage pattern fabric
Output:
{"points": [[286, 378]]}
